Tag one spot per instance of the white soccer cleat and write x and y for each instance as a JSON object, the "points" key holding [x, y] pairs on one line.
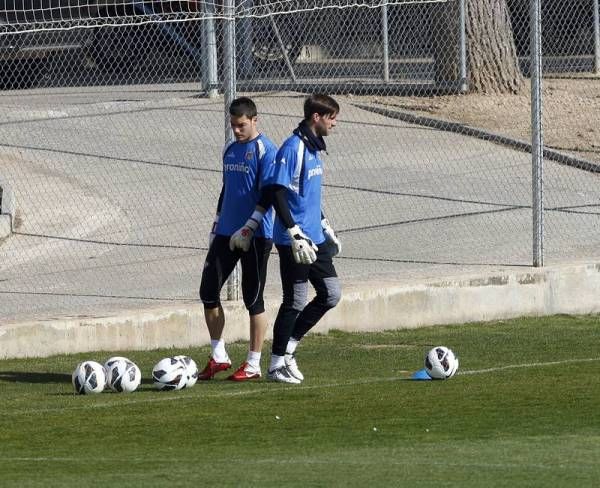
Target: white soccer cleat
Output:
{"points": [[292, 367], [283, 375]]}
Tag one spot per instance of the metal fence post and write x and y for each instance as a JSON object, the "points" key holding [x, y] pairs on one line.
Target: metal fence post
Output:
{"points": [[537, 142], [464, 86], [245, 36], [386, 46], [210, 78], [596, 37], [229, 90]]}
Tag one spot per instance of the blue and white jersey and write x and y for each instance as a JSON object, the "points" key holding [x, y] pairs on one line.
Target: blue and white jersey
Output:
{"points": [[300, 171], [244, 166]]}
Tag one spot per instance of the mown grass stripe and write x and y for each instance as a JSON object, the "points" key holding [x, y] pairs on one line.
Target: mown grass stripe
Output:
{"points": [[197, 394]]}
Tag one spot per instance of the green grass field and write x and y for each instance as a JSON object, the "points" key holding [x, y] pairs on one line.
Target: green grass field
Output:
{"points": [[524, 410]]}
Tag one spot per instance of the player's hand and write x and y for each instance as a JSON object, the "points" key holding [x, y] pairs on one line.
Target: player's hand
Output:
{"points": [[242, 237], [303, 249], [331, 237], [213, 231]]}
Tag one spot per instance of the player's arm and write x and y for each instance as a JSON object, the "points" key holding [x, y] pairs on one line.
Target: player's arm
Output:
{"points": [[276, 174], [242, 237], [276, 192], [330, 234], [213, 229], [303, 248]]}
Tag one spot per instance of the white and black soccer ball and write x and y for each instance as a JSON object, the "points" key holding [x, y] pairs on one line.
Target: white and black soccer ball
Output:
{"points": [[191, 369], [123, 376], [88, 378], [109, 362], [441, 363], [169, 374]]}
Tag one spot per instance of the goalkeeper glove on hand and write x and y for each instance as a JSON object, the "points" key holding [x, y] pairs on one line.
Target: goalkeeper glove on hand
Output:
{"points": [[303, 249], [213, 231], [242, 237], [331, 237]]}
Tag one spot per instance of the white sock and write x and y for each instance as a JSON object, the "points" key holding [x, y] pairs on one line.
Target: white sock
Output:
{"points": [[219, 353], [253, 359], [276, 362], [291, 346]]}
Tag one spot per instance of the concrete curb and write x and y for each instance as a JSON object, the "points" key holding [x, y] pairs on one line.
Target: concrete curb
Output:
{"points": [[466, 130], [379, 306]]}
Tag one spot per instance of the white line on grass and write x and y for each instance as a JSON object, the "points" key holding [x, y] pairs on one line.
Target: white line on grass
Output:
{"points": [[194, 395], [297, 461], [527, 365]]}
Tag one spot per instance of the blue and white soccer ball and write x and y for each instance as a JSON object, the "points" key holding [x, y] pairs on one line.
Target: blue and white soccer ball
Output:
{"points": [[169, 374], [88, 378], [123, 376], [191, 369], [441, 363]]}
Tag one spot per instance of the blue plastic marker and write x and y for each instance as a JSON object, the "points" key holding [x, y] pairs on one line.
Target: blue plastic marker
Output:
{"points": [[420, 375]]}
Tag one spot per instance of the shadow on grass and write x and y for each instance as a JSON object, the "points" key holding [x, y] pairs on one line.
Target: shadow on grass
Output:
{"points": [[34, 377]]}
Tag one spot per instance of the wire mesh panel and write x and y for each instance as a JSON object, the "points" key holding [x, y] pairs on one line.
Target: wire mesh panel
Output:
{"points": [[336, 47], [412, 193], [571, 118], [114, 195], [112, 161], [113, 122], [568, 39]]}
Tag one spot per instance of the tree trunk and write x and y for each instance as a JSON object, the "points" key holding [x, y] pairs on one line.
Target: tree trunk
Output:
{"points": [[492, 63], [492, 55]]}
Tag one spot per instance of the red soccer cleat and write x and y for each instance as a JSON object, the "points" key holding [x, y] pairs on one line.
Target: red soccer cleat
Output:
{"points": [[245, 373], [212, 368]]}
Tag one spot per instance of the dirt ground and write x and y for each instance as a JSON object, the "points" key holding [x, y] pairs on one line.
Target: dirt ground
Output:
{"points": [[571, 113]]}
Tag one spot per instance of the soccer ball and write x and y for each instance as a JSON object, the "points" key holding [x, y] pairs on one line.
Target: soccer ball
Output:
{"points": [[123, 376], [169, 374], [441, 363], [191, 369], [109, 362], [88, 378]]}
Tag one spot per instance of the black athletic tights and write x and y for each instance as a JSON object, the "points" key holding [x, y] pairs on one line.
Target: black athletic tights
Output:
{"points": [[295, 317]]}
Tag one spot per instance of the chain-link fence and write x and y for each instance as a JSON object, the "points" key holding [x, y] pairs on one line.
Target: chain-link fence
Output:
{"points": [[114, 118]]}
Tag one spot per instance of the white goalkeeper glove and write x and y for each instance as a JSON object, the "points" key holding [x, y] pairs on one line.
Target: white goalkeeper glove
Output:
{"points": [[303, 249], [331, 237], [213, 231], [242, 237]]}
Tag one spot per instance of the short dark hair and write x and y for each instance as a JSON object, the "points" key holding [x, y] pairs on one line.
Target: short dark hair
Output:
{"points": [[243, 106], [321, 104]]}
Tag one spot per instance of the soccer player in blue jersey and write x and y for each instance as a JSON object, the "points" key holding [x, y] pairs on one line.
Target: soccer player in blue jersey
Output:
{"points": [[305, 241], [245, 162]]}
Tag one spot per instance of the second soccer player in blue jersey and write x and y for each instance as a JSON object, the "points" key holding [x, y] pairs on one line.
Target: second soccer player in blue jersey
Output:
{"points": [[305, 241]]}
